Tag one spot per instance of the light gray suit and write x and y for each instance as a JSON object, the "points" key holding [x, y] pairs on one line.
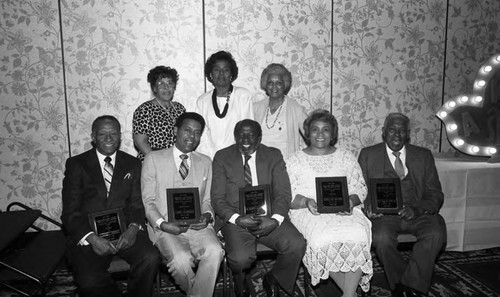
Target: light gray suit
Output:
{"points": [[181, 252]]}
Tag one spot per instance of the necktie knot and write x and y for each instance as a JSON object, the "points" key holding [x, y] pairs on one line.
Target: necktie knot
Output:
{"points": [[184, 156], [397, 154], [247, 158], [107, 160]]}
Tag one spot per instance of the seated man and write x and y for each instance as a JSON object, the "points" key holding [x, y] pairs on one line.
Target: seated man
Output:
{"points": [[248, 162], [182, 246], [422, 198], [105, 178]]}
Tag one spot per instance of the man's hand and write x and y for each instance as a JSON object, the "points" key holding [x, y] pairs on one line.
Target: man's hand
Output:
{"points": [[369, 214], [127, 239], [204, 221], [174, 228], [410, 213], [248, 222], [101, 246], [312, 206], [266, 226]]}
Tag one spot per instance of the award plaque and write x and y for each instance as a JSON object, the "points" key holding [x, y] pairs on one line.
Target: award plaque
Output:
{"points": [[255, 200], [183, 205], [332, 195], [108, 224], [385, 195]]}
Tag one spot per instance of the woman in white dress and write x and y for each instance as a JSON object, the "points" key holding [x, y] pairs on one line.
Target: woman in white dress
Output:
{"points": [[223, 106], [338, 245]]}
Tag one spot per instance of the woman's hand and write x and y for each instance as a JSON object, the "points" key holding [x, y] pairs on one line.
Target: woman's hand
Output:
{"points": [[312, 206]]}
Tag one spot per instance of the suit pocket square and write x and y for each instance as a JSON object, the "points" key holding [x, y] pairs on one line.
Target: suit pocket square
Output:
{"points": [[128, 176]]}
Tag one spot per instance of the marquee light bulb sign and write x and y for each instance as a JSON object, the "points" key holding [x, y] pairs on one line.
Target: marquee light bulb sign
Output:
{"points": [[472, 122]]}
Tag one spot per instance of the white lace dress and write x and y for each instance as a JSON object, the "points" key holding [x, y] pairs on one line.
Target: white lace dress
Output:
{"points": [[334, 242]]}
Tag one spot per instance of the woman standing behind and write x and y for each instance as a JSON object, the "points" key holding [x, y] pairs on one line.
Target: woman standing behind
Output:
{"points": [[281, 117], [153, 123], [223, 106], [338, 245]]}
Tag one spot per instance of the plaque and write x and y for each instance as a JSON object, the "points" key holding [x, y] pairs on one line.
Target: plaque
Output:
{"points": [[255, 200], [385, 195], [108, 224], [332, 195], [183, 205]]}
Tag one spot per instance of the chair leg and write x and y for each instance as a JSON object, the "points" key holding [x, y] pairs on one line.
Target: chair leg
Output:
{"points": [[158, 283]]}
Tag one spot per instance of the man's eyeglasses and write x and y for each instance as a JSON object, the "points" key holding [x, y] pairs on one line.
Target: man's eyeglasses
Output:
{"points": [[393, 131]]}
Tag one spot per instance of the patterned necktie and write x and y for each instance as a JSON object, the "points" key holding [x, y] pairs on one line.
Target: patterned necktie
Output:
{"points": [[398, 165], [108, 172], [184, 168], [248, 173]]}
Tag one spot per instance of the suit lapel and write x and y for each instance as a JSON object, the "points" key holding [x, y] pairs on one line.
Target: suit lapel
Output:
{"points": [[95, 171]]}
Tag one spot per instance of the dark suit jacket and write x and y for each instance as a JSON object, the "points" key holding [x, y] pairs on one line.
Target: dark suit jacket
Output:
{"points": [[84, 192], [421, 170], [227, 178]]}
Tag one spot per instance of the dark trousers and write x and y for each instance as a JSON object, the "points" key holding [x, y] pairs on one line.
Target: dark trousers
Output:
{"points": [[286, 240], [430, 231], [92, 278]]}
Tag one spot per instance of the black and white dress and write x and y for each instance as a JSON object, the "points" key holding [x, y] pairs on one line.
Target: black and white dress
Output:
{"points": [[157, 123]]}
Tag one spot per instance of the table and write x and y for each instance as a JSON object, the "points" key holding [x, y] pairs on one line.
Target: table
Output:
{"points": [[471, 206], [14, 223]]}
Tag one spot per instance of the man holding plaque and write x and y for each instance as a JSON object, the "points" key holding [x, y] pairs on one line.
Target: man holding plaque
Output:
{"points": [[103, 216], [245, 164], [183, 240], [422, 198]]}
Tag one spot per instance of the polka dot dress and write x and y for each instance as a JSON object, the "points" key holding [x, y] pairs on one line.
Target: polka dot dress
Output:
{"points": [[157, 123]]}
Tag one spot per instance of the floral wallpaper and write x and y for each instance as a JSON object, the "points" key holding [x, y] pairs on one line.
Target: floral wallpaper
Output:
{"points": [[34, 136], [359, 58]]}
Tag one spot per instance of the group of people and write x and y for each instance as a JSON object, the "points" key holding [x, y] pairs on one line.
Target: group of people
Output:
{"points": [[230, 142]]}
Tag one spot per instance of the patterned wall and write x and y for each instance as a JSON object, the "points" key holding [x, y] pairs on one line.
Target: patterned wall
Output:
{"points": [[360, 58]]}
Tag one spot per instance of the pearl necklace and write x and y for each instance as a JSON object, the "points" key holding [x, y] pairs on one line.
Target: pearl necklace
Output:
{"points": [[268, 111]]}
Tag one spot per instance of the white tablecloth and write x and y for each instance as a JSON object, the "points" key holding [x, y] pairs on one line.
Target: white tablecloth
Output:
{"points": [[471, 206]]}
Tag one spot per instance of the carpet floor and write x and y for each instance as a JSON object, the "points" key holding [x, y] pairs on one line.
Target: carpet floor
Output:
{"points": [[471, 274]]}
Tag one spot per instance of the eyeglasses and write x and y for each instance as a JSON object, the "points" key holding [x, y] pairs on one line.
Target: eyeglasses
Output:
{"points": [[165, 84], [393, 131]]}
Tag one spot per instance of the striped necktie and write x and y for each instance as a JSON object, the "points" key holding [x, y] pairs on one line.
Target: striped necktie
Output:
{"points": [[108, 172], [184, 168], [248, 173], [398, 165]]}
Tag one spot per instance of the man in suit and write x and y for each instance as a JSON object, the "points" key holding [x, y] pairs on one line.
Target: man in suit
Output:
{"points": [[264, 165], [422, 198], [183, 246], [101, 179]]}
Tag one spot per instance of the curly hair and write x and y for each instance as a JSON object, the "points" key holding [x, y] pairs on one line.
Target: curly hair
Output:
{"points": [[279, 69], [324, 116], [221, 55], [160, 72]]}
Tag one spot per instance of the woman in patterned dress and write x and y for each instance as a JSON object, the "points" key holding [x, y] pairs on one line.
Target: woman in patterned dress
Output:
{"points": [[154, 120], [338, 244]]}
